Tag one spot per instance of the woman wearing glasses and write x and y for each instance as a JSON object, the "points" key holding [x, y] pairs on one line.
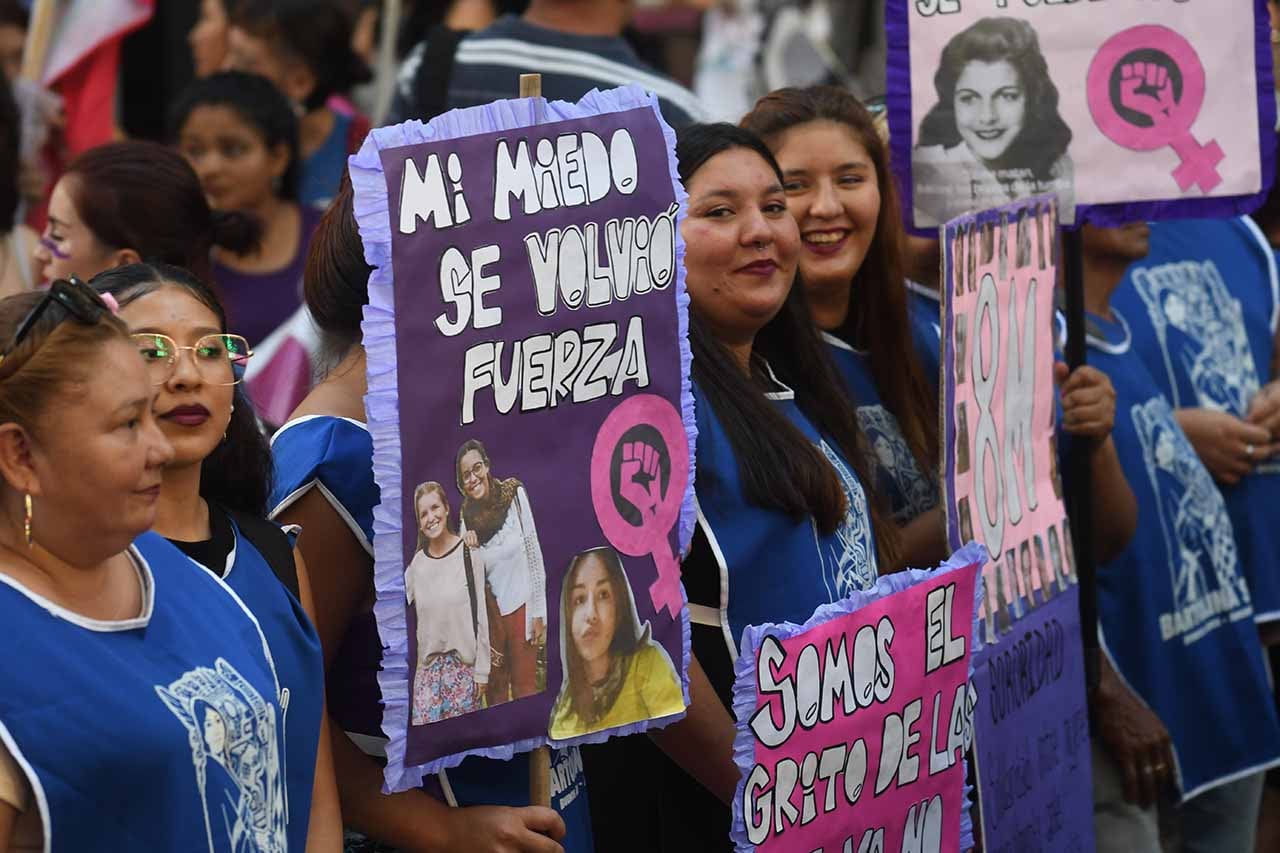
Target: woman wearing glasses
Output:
{"points": [[213, 505], [139, 709], [498, 521]]}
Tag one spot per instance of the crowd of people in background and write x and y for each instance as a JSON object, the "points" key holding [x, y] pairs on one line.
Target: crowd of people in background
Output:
{"points": [[183, 378]]}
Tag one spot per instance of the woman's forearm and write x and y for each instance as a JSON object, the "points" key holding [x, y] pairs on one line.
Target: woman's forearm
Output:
{"points": [[923, 540], [324, 831], [411, 820], [1115, 509], [702, 743]]}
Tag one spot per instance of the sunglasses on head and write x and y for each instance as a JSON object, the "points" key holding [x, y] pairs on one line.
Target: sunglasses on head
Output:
{"points": [[78, 301]]}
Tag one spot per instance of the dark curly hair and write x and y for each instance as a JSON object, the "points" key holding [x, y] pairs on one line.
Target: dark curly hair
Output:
{"points": [[1014, 41]]}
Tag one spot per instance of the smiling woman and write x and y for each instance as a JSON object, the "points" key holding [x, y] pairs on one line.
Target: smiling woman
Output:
{"points": [[995, 134]]}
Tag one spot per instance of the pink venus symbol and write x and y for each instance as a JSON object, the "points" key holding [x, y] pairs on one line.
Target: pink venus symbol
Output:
{"points": [[640, 485], [1145, 88]]}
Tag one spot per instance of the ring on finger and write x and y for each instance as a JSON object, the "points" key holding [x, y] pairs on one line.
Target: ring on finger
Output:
{"points": [[1148, 770], [1248, 450]]}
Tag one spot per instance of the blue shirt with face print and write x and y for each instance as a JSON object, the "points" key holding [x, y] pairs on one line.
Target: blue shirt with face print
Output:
{"points": [[1175, 611], [1202, 307]]}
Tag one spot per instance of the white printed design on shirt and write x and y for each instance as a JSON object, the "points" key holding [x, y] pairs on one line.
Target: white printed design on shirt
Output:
{"points": [[1203, 562], [1191, 298], [232, 732], [912, 492], [854, 567]]}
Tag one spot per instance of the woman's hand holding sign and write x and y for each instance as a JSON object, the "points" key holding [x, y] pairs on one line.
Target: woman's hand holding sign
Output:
{"points": [[1088, 401], [496, 829]]}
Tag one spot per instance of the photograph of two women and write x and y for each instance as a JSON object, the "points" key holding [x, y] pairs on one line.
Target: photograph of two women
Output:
{"points": [[477, 587]]}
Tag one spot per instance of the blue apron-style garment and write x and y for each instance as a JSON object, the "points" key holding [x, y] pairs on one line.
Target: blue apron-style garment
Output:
{"points": [[924, 308], [335, 455], [898, 474], [774, 568], [1202, 307], [161, 732], [295, 648], [1174, 609]]}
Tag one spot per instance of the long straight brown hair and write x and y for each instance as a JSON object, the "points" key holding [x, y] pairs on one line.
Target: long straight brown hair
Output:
{"points": [[877, 321]]}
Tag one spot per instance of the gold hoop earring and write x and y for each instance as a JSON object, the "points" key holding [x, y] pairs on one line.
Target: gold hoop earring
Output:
{"points": [[27, 521]]}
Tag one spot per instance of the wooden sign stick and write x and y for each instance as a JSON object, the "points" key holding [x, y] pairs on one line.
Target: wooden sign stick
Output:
{"points": [[540, 758]]}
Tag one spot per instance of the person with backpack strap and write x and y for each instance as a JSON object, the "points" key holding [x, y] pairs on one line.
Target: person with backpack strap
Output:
{"points": [[452, 651]]}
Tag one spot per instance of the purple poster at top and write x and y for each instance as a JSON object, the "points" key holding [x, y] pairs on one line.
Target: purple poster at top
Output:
{"points": [[1124, 109], [532, 423]]}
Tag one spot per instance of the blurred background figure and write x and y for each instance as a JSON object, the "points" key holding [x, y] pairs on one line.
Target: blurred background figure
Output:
{"points": [[208, 38], [240, 134], [305, 49], [17, 241]]}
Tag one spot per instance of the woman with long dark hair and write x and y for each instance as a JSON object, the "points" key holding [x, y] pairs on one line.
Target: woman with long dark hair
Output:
{"points": [[213, 505], [324, 483], [497, 521], [842, 195], [784, 524], [995, 134], [241, 137], [614, 674]]}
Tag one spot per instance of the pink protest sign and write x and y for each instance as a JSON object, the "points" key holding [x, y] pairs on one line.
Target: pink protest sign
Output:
{"points": [[852, 728], [1124, 109], [1000, 461]]}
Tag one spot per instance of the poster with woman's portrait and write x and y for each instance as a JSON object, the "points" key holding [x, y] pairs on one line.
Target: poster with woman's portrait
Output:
{"points": [[1122, 110], [531, 416]]}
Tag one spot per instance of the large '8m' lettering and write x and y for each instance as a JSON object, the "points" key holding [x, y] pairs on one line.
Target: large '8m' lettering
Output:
{"points": [[1019, 398]]}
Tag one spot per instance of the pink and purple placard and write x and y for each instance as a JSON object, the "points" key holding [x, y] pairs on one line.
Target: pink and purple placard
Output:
{"points": [[852, 728], [1000, 460], [1002, 489], [528, 367], [1124, 109]]}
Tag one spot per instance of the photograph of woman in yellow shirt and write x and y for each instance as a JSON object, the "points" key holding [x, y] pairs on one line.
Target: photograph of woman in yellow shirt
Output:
{"points": [[614, 674]]}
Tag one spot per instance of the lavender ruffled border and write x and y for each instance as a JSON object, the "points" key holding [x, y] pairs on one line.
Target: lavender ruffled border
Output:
{"points": [[898, 98], [382, 403], [744, 691]]}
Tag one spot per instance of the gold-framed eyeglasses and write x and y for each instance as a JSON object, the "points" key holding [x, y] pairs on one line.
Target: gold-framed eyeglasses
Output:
{"points": [[475, 472], [219, 359]]}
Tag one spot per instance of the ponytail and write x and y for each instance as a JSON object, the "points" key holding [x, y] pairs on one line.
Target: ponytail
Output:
{"points": [[235, 231]]}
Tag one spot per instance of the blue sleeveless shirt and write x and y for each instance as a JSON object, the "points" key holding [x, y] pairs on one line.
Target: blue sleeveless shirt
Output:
{"points": [[295, 648], [1202, 307], [774, 568], [335, 455], [160, 732], [898, 476], [1174, 609]]}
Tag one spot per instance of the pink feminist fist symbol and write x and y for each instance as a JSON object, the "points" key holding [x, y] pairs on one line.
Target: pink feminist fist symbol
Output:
{"points": [[639, 471], [1145, 88]]}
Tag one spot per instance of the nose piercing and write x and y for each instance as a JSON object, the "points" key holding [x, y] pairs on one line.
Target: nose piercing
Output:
{"points": [[760, 247]]}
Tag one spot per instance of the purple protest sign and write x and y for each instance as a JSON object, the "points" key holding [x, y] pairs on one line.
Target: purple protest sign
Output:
{"points": [[1125, 111], [532, 422], [1031, 735]]}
